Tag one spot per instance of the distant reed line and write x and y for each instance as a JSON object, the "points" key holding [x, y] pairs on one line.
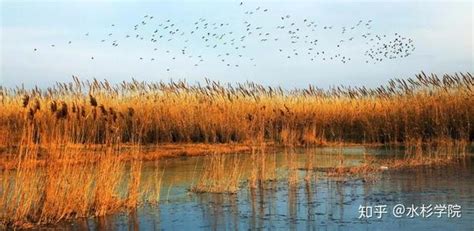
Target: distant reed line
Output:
{"points": [[427, 108]]}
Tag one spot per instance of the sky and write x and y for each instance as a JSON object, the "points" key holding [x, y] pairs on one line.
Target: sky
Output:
{"points": [[440, 31]]}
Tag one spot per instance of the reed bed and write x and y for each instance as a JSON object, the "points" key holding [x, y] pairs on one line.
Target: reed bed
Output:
{"points": [[55, 181], [427, 108], [48, 135], [65, 189]]}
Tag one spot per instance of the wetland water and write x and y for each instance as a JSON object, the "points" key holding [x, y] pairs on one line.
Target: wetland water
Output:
{"points": [[323, 203]]}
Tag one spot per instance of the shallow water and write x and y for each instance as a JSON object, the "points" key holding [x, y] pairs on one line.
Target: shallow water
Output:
{"points": [[323, 203]]}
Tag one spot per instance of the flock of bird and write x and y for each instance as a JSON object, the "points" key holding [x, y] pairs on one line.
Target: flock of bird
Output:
{"points": [[230, 43]]}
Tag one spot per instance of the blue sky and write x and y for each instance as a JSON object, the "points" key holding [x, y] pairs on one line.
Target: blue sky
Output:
{"points": [[441, 32]]}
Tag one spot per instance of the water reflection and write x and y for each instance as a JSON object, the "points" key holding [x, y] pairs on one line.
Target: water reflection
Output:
{"points": [[312, 202]]}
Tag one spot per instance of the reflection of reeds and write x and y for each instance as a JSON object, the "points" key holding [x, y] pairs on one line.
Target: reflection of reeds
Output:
{"points": [[262, 201], [221, 174], [292, 162], [311, 208], [292, 204], [152, 185], [255, 171], [430, 154], [309, 167], [263, 168], [416, 154]]}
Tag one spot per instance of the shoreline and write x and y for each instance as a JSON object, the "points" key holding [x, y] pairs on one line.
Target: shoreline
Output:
{"points": [[155, 152]]}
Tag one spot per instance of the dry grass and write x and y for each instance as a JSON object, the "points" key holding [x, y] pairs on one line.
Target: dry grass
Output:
{"points": [[66, 146], [63, 189], [424, 108], [58, 182]]}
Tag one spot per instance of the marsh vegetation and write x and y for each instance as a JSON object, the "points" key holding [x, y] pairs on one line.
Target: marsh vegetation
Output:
{"points": [[78, 149]]}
